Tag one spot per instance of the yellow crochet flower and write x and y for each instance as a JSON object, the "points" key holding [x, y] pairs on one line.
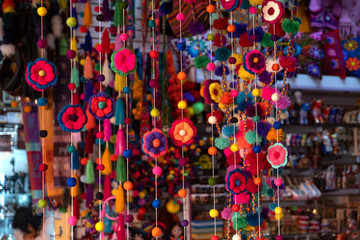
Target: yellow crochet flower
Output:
{"points": [[245, 75], [215, 92], [239, 58], [256, 2], [351, 45]]}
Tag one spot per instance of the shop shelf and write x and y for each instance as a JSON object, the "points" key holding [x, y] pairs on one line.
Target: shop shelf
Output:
{"points": [[341, 192]]}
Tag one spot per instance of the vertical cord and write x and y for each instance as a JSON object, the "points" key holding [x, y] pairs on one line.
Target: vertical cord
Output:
{"points": [[99, 155], [71, 135], [42, 109]]}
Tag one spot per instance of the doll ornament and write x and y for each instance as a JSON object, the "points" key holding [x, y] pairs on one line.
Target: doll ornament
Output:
{"points": [[177, 232]]}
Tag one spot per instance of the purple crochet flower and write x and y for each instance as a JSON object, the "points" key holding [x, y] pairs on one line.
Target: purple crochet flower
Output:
{"points": [[315, 53], [196, 28], [154, 143], [255, 61]]}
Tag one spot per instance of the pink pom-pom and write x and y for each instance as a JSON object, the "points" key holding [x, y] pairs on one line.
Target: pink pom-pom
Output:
{"points": [[72, 221], [43, 167], [253, 10], [42, 43], [227, 152], [100, 167], [267, 92], [100, 135], [82, 96], [210, 67], [277, 182], [234, 93], [180, 17], [71, 54], [157, 171], [99, 48], [123, 37], [71, 86], [226, 213]]}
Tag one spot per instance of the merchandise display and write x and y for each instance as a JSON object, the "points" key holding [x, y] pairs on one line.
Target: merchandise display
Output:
{"points": [[180, 119]]}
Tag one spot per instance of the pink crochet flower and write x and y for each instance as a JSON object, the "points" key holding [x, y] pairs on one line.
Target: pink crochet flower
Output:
{"points": [[277, 155], [41, 74], [123, 62], [72, 118]]}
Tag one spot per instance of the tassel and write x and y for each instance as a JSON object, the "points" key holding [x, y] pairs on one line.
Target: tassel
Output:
{"points": [[105, 42], [75, 76], [107, 130], [75, 160], [7, 50], [63, 46], [51, 41], [120, 170], [91, 124], [120, 142], [107, 222], [106, 161], [74, 47], [76, 99], [89, 91], [76, 210], [63, 4], [87, 19], [117, 14], [75, 191], [89, 173], [87, 45], [57, 26], [107, 187], [119, 200], [120, 231], [77, 137], [89, 142], [88, 69], [118, 43], [119, 112], [74, 14], [89, 195], [108, 73], [106, 11], [120, 82]]}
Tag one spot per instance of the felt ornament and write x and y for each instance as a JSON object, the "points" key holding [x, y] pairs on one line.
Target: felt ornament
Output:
{"points": [[120, 145], [105, 43], [89, 142], [89, 195], [201, 61], [72, 118], [236, 181], [212, 91], [123, 62], [120, 170], [41, 74], [119, 200], [91, 124], [273, 65], [108, 74], [89, 173], [255, 61], [290, 26], [107, 187], [88, 68], [272, 11], [75, 76], [75, 191], [101, 106], [75, 160], [87, 17], [106, 161], [107, 130], [76, 209], [229, 5], [119, 111], [74, 47], [57, 26]]}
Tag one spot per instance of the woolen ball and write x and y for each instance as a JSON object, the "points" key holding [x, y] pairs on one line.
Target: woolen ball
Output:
{"points": [[184, 223], [72, 221], [71, 149], [42, 102], [156, 203], [214, 237], [210, 67], [100, 78], [277, 125], [99, 226], [182, 162], [100, 167], [212, 181], [278, 182], [99, 196], [43, 133], [70, 54], [181, 46], [43, 167], [234, 120], [180, 17], [157, 170], [123, 37], [127, 153], [279, 237], [71, 182], [257, 149], [42, 43], [126, 90], [100, 18], [128, 218]]}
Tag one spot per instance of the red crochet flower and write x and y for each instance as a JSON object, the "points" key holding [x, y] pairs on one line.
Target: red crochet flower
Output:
{"points": [[182, 132], [41, 74], [236, 181], [101, 106], [72, 118]]}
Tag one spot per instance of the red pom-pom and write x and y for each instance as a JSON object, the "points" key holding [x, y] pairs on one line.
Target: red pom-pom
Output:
{"points": [[97, 8], [251, 161], [142, 210], [214, 237], [113, 157], [71, 86], [83, 29], [220, 40], [83, 196], [154, 54], [278, 29], [251, 186], [220, 23], [244, 40], [100, 167], [288, 62], [113, 30], [98, 160], [140, 217], [84, 161], [100, 135], [235, 208], [230, 158]]}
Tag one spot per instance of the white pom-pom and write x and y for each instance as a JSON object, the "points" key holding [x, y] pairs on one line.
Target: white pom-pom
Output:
{"points": [[275, 97], [236, 237], [182, 132], [212, 120], [83, 178], [7, 50], [57, 26], [51, 41]]}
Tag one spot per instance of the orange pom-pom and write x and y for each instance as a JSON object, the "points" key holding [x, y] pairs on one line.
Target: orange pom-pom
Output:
{"points": [[210, 8], [14, 104], [182, 193], [181, 76], [231, 28], [156, 232], [84, 161], [128, 185], [212, 150], [257, 181], [27, 109]]}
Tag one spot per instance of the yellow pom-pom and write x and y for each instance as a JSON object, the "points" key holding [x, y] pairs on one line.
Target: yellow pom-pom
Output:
{"points": [[113, 192], [42, 203], [214, 213], [182, 105], [27, 109], [256, 92], [142, 194], [82, 62], [155, 112], [14, 104], [234, 148], [99, 226], [71, 22], [278, 210], [42, 11], [277, 217]]}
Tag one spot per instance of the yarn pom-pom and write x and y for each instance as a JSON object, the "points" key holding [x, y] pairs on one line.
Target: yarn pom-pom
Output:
{"points": [[228, 130], [259, 33], [222, 143], [249, 125], [196, 28], [265, 77], [250, 110], [277, 28], [245, 75], [266, 40], [266, 93], [245, 4], [239, 222], [243, 100], [251, 186], [219, 40], [201, 61], [218, 114], [226, 213], [165, 8], [222, 54], [220, 23], [239, 30], [252, 136], [297, 19], [256, 2], [275, 135], [253, 219], [288, 62], [244, 40], [219, 71], [290, 26], [283, 103], [263, 128]]}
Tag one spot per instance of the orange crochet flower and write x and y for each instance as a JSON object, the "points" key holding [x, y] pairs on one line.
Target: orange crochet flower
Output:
{"points": [[353, 64], [182, 132], [351, 45]]}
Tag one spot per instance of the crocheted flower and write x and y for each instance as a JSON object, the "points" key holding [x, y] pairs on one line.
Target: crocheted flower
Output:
{"points": [[272, 11], [315, 53], [351, 45], [229, 5], [277, 155], [101, 106], [313, 70], [154, 143], [334, 63], [41, 74], [72, 118], [273, 65], [236, 181], [182, 132], [352, 64], [317, 36], [123, 62], [255, 61], [212, 91], [331, 52]]}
